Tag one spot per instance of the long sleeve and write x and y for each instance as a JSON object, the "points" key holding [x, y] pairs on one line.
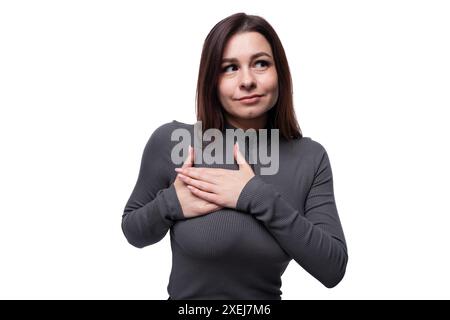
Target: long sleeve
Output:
{"points": [[313, 235], [153, 205]]}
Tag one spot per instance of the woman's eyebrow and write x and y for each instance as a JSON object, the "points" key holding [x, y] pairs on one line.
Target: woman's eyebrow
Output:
{"points": [[256, 55]]}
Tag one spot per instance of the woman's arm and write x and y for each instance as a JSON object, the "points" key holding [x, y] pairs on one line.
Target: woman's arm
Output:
{"points": [[153, 205], [313, 237]]}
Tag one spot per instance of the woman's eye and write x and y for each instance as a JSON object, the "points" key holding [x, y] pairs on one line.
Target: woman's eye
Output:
{"points": [[224, 69], [265, 64]]}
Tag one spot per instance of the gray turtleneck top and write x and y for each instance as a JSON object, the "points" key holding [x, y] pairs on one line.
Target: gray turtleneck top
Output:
{"points": [[241, 253]]}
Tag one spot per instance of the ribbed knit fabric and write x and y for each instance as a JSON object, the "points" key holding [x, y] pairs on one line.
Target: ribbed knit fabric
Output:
{"points": [[241, 253]]}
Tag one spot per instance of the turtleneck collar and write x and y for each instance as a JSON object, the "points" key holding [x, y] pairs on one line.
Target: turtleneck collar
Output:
{"points": [[258, 133], [230, 126]]}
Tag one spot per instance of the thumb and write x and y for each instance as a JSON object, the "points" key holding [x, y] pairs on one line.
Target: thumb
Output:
{"points": [[190, 158], [240, 159]]}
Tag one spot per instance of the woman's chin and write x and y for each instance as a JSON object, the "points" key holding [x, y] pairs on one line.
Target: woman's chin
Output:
{"points": [[252, 113]]}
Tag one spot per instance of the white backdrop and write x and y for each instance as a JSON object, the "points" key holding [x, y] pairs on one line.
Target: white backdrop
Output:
{"points": [[83, 84]]}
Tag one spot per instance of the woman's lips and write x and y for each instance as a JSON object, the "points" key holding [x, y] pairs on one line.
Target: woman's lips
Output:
{"points": [[252, 100]]}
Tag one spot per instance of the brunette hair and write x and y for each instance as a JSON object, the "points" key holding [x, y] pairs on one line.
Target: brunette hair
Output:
{"points": [[209, 109]]}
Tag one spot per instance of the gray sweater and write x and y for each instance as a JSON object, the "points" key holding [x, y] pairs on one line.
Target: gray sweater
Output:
{"points": [[241, 253]]}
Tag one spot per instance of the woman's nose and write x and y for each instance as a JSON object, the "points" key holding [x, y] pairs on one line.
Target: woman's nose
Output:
{"points": [[247, 79]]}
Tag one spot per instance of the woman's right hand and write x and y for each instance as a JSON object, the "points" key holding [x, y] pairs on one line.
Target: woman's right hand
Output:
{"points": [[192, 205]]}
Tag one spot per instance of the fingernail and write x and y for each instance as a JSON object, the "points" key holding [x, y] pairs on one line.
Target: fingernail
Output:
{"points": [[178, 170]]}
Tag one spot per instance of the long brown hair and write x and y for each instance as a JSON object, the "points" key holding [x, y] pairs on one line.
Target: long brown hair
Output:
{"points": [[209, 109]]}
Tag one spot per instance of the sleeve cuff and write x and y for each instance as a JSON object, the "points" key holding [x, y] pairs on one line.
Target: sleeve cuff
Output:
{"points": [[170, 207], [252, 193]]}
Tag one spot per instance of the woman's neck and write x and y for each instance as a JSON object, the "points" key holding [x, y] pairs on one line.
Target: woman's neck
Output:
{"points": [[244, 124]]}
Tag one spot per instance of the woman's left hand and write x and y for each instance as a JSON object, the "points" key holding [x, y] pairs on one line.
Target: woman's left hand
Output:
{"points": [[220, 186]]}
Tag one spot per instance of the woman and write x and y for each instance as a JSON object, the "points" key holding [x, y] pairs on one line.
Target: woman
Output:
{"points": [[234, 230]]}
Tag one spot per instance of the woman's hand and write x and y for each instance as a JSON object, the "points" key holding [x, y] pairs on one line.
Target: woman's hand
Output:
{"points": [[192, 205], [219, 186]]}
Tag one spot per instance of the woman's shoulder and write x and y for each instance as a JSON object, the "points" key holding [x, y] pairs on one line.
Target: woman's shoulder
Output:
{"points": [[309, 150], [174, 124], [165, 130], [309, 145]]}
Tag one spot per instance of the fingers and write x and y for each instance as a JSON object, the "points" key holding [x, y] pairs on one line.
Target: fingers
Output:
{"points": [[210, 197], [204, 174], [240, 159], [202, 185], [190, 158]]}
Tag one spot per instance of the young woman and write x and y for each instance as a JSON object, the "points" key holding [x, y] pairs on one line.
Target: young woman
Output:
{"points": [[234, 227]]}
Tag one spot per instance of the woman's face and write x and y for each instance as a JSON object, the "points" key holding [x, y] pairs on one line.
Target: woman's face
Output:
{"points": [[247, 69]]}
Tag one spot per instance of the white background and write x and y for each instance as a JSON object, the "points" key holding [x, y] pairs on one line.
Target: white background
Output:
{"points": [[83, 84]]}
